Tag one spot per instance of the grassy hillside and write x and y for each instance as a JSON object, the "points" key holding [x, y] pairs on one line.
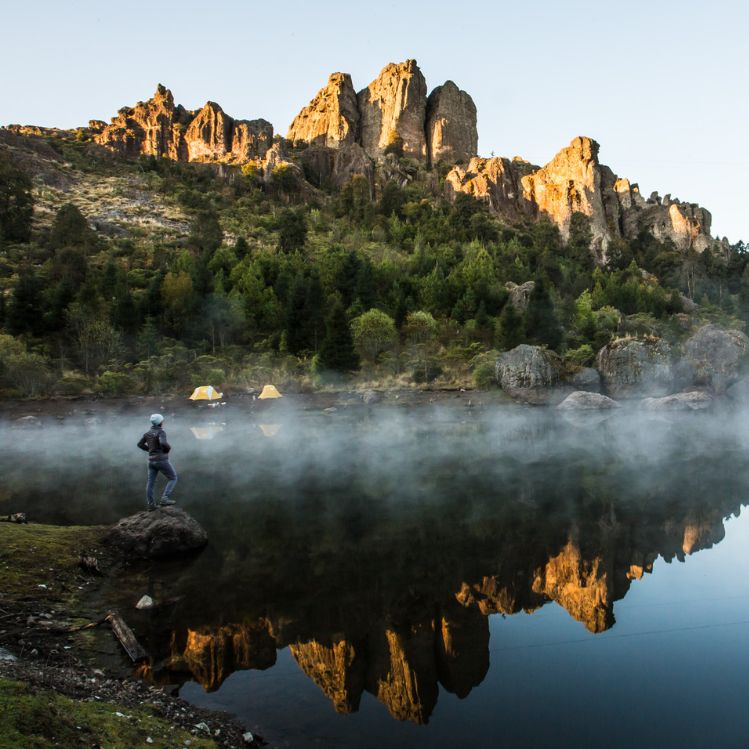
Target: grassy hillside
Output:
{"points": [[150, 276]]}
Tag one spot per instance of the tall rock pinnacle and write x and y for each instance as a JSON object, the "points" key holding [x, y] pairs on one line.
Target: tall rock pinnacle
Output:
{"points": [[393, 107], [331, 119], [451, 131]]}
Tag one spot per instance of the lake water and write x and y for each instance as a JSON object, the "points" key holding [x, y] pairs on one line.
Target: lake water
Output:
{"points": [[432, 577]]}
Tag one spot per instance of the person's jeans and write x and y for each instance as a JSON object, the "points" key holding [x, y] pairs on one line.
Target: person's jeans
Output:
{"points": [[165, 467]]}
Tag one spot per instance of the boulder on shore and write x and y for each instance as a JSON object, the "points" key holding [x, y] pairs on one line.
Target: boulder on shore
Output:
{"points": [[695, 400], [712, 357], [528, 373], [165, 532], [631, 367], [584, 400]]}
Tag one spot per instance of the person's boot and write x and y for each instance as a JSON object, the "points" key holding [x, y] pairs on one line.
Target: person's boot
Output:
{"points": [[151, 506], [166, 502]]}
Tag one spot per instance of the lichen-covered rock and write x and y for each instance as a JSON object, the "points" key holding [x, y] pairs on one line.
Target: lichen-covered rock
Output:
{"points": [[165, 532], [331, 119], [712, 357], [393, 107], [630, 367], [451, 131], [584, 400], [520, 294], [528, 373], [695, 400]]}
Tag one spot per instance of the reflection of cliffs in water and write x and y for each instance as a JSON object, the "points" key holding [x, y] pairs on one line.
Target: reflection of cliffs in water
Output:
{"points": [[399, 642]]}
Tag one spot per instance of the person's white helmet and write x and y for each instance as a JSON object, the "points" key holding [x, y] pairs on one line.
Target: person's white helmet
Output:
{"points": [[157, 420]]}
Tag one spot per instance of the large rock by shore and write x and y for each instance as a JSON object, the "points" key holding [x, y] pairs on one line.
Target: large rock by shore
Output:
{"points": [[712, 357], [694, 400], [583, 400], [630, 368], [528, 373], [165, 532]]}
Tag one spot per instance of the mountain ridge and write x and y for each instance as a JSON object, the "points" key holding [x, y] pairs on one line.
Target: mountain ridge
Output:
{"points": [[350, 133]]}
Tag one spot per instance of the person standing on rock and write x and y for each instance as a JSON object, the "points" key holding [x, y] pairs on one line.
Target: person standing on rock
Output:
{"points": [[154, 442]]}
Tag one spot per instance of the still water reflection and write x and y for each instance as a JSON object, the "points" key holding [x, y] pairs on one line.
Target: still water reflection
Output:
{"points": [[434, 577]]}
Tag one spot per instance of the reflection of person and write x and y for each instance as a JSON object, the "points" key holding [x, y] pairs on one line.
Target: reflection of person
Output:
{"points": [[154, 442]]}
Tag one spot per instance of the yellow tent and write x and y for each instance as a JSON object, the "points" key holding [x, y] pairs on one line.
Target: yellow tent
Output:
{"points": [[269, 391], [206, 393]]}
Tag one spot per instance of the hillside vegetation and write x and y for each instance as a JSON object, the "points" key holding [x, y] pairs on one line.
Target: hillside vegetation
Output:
{"points": [[147, 275]]}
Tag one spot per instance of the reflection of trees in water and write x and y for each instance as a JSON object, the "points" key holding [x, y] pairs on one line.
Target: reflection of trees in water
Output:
{"points": [[377, 556], [396, 602]]}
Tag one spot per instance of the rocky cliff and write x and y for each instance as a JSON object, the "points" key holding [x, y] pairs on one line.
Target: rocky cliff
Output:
{"points": [[451, 131], [340, 134], [575, 181], [392, 113], [159, 128], [331, 119]]}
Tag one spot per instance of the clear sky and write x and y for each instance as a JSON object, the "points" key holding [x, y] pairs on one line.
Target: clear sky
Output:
{"points": [[661, 85]]}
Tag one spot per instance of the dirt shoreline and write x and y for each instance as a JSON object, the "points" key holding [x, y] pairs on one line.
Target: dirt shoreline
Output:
{"points": [[40, 649]]}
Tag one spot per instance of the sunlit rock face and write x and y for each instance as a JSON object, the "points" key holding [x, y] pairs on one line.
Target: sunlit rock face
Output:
{"points": [[251, 140], [151, 128], [393, 107], [575, 181], [451, 131], [402, 670], [159, 128], [331, 119], [338, 670], [497, 181], [208, 136]]}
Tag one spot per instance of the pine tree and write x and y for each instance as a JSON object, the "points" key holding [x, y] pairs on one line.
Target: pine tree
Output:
{"points": [[296, 328], [542, 324], [26, 314], [510, 328], [337, 352], [241, 248], [314, 308]]}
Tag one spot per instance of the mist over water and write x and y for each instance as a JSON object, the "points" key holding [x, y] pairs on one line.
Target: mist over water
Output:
{"points": [[391, 574]]}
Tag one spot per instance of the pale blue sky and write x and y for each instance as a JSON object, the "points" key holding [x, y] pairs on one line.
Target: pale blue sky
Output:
{"points": [[662, 85]]}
